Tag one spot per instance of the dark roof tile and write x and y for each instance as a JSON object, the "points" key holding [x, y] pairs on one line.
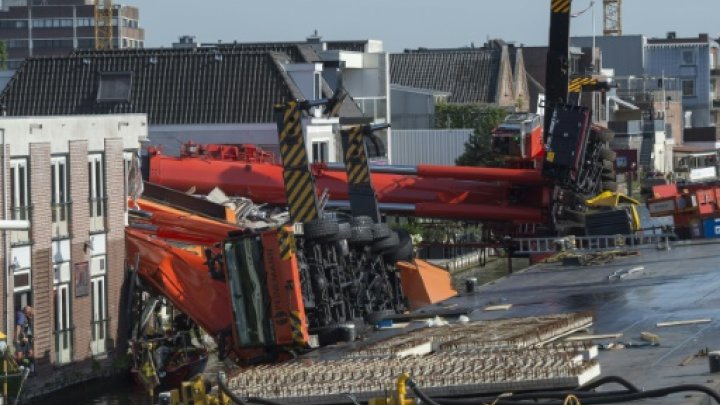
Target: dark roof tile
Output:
{"points": [[469, 75], [170, 87]]}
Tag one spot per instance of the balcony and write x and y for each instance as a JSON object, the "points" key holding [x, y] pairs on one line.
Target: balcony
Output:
{"points": [[98, 210]]}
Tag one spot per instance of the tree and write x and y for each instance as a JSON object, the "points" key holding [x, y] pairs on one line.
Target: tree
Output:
{"points": [[482, 119]]}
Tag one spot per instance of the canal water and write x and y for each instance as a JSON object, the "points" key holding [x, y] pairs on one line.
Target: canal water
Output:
{"points": [[113, 391]]}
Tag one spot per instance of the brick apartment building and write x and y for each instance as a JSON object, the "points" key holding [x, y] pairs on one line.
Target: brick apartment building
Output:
{"points": [[67, 176], [58, 27]]}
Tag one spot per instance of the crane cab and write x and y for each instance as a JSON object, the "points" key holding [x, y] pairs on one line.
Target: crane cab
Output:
{"points": [[518, 139]]}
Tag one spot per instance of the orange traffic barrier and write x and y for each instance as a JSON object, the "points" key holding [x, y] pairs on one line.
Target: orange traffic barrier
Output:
{"points": [[424, 283]]}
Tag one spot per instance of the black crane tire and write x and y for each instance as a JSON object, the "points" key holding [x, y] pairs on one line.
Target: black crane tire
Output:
{"points": [[360, 235], [361, 221], [608, 176], [575, 216], [608, 154], [404, 251], [609, 186], [602, 135], [386, 244], [320, 229], [381, 231]]}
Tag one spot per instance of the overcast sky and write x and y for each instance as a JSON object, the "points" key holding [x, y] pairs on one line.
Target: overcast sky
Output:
{"points": [[404, 24]]}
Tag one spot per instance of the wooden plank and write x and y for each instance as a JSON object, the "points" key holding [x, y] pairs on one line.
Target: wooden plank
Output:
{"points": [[502, 307], [649, 337], [686, 322], [591, 337]]}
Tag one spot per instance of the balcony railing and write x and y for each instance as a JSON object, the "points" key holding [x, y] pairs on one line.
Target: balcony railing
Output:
{"points": [[99, 336], [63, 345], [20, 213], [60, 220], [98, 211]]}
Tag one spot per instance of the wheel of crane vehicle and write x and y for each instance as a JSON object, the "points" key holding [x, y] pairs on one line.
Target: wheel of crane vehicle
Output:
{"points": [[361, 235], [404, 251], [602, 135], [608, 176], [381, 231], [362, 221], [386, 244], [321, 229], [344, 232], [608, 154], [574, 216], [609, 186]]}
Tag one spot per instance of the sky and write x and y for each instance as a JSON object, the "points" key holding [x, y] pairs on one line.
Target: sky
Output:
{"points": [[402, 24]]}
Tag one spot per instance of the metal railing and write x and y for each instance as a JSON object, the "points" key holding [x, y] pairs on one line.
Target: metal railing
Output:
{"points": [[63, 345], [61, 220], [590, 243], [99, 336]]}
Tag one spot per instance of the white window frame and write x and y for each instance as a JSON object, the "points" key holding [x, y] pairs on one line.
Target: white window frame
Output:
{"points": [[60, 196], [63, 325], [96, 180], [320, 151], [98, 288]]}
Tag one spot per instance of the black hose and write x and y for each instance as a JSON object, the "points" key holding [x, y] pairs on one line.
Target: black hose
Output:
{"points": [[608, 380], [426, 399], [586, 398], [262, 401]]}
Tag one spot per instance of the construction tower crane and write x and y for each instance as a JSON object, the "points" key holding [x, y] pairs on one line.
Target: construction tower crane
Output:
{"points": [[612, 17], [103, 24]]}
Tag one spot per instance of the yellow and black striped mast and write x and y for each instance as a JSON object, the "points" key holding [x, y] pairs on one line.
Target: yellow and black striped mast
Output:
{"points": [[299, 182], [363, 201]]}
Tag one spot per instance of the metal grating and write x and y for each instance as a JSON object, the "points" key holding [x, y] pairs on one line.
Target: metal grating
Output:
{"points": [[483, 357]]}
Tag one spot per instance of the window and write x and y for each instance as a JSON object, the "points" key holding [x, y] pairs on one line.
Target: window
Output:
{"points": [[688, 88], [60, 200], [52, 43], [13, 24], [317, 88], [688, 57], [20, 268], [86, 43], [52, 23], [114, 87], [61, 289], [98, 294], [319, 152], [17, 43], [19, 198], [96, 189], [85, 22]]}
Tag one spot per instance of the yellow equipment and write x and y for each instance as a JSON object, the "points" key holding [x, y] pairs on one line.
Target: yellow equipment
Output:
{"points": [[617, 200], [400, 397], [193, 392]]}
